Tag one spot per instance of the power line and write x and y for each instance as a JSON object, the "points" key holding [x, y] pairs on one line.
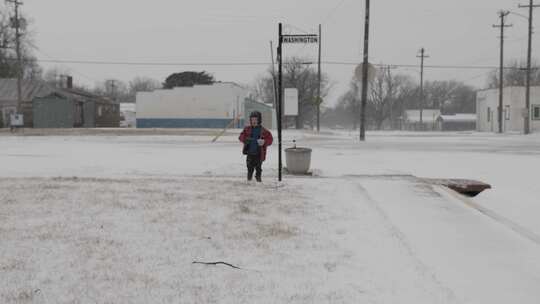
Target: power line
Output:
{"points": [[260, 63], [457, 67], [70, 69], [134, 63]]}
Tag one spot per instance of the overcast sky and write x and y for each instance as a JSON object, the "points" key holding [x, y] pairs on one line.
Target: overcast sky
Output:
{"points": [[457, 32]]}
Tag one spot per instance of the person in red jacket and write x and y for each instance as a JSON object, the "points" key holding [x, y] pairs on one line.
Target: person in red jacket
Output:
{"points": [[256, 140]]}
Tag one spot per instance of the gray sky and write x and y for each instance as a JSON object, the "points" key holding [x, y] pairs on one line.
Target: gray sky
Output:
{"points": [[457, 32]]}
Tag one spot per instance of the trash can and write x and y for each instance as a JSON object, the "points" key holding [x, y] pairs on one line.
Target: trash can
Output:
{"points": [[298, 160]]}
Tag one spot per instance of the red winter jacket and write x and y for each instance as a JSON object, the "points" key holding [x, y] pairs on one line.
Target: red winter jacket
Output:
{"points": [[265, 134]]}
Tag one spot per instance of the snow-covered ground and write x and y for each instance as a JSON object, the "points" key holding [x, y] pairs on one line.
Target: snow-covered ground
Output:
{"points": [[121, 219]]}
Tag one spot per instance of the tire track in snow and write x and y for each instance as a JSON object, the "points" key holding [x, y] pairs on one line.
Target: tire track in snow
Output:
{"points": [[424, 270]]}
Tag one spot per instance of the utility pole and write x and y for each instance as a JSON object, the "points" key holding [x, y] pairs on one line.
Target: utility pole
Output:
{"points": [[526, 116], [17, 24], [113, 89], [274, 75], [422, 57], [502, 26], [319, 100], [365, 71]]}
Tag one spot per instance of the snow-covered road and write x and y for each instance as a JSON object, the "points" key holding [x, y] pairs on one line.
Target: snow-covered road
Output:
{"points": [[364, 230]]}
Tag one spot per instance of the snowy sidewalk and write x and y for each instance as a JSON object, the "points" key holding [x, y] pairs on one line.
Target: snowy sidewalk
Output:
{"points": [[480, 259]]}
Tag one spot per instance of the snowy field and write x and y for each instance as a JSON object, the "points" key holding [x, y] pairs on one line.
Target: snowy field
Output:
{"points": [[120, 218]]}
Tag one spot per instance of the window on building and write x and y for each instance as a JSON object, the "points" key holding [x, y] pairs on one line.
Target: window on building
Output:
{"points": [[99, 111], [536, 112], [507, 113]]}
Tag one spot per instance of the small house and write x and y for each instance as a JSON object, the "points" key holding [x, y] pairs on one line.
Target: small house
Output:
{"points": [[456, 122], [45, 106]]}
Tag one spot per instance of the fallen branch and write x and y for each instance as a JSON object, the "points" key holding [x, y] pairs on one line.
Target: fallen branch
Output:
{"points": [[216, 263]]}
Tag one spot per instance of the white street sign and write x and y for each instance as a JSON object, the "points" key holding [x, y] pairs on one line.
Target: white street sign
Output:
{"points": [[291, 102], [16, 120], [300, 39]]}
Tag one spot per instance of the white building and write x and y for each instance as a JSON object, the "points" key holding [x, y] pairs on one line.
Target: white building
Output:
{"points": [[128, 115], [200, 106], [411, 120], [487, 104]]}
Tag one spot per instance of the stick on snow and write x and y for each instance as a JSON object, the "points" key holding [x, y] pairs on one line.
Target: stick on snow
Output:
{"points": [[216, 263]]}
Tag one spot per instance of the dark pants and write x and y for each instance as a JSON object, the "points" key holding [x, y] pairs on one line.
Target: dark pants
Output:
{"points": [[254, 164]]}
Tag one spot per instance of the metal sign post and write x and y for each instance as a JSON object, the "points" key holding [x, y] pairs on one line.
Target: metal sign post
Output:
{"points": [[308, 38], [280, 100]]}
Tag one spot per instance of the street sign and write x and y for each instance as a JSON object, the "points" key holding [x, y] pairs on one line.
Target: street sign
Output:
{"points": [[359, 72], [16, 120], [291, 102], [300, 39]]}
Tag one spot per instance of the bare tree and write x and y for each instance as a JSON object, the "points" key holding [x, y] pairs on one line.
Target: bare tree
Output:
{"points": [[8, 58], [296, 74], [392, 94], [143, 84], [114, 89], [386, 97], [450, 96], [348, 107], [54, 76], [381, 95], [263, 89], [515, 75]]}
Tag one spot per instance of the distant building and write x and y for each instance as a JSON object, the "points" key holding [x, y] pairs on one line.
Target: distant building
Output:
{"points": [[456, 122], [45, 106], [267, 111], [411, 120], [487, 104], [128, 118], [201, 106]]}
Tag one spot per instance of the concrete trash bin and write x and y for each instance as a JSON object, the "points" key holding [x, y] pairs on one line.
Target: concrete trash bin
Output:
{"points": [[298, 160]]}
